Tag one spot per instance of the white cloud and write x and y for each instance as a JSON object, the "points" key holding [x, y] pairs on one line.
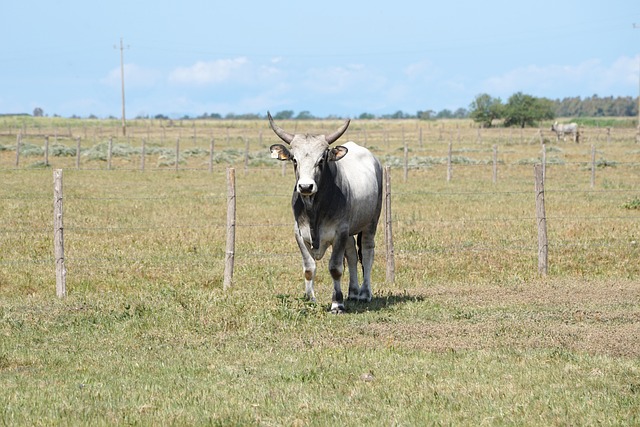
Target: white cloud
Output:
{"points": [[236, 70], [556, 81], [134, 76], [211, 72]]}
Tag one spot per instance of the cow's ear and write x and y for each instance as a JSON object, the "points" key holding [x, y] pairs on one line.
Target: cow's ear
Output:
{"points": [[336, 153], [280, 152]]}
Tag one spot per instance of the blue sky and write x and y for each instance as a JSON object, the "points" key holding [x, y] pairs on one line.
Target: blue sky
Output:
{"points": [[335, 57]]}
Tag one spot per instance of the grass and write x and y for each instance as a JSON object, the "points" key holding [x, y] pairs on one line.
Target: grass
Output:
{"points": [[469, 333]]}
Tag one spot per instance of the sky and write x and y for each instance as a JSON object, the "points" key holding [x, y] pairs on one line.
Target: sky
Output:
{"points": [[330, 57]]}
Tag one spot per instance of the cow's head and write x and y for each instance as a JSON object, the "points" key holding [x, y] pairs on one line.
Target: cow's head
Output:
{"points": [[554, 126], [310, 154]]}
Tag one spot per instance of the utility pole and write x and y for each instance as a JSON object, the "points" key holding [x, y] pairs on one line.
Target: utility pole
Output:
{"points": [[124, 123], [636, 26]]}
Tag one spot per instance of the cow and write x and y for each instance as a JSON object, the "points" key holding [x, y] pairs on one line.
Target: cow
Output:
{"points": [[337, 197], [562, 131]]}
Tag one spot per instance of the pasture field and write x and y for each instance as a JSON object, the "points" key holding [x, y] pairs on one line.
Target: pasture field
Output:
{"points": [[468, 334]]}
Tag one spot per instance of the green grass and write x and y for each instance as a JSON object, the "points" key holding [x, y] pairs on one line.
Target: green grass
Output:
{"points": [[469, 333]]}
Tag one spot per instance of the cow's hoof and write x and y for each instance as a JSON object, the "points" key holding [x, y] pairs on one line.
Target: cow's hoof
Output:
{"points": [[364, 296], [337, 308]]}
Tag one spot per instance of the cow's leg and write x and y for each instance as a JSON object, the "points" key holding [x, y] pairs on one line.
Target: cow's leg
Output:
{"points": [[367, 246], [308, 269], [351, 254], [336, 268]]}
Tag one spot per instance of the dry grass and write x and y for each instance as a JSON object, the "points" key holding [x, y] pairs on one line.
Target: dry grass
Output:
{"points": [[468, 334]]}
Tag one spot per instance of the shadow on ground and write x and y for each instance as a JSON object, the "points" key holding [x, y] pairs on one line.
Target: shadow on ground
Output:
{"points": [[381, 302]]}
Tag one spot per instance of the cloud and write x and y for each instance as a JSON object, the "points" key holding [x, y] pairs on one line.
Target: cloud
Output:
{"points": [[210, 72], [556, 81], [239, 71], [134, 76]]}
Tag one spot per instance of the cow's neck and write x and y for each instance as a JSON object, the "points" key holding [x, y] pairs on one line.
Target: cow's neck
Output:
{"points": [[320, 206]]}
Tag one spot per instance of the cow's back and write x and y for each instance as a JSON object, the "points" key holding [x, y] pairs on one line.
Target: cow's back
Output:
{"points": [[361, 179]]}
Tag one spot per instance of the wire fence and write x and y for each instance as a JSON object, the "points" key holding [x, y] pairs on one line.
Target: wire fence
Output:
{"points": [[151, 206], [131, 223]]}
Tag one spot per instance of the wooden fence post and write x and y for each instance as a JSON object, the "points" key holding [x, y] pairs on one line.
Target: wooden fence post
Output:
{"points": [[109, 153], [18, 145], [58, 235], [544, 161], [246, 155], [388, 234], [46, 150], [541, 217], [143, 154], [231, 228], [211, 145], [78, 151], [406, 157]]}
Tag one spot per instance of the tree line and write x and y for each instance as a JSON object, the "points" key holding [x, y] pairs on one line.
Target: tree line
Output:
{"points": [[519, 110], [525, 110]]}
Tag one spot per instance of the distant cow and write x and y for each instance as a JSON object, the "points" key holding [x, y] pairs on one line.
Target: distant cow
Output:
{"points": [[337, 195], [562, 131]]}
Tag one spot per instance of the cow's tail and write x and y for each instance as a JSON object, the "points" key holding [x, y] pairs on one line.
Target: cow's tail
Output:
{"points": [[359, 245]]}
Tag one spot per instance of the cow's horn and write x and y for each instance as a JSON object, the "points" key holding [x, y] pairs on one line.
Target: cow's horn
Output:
{"points": [[337, 134], [284, 135]]}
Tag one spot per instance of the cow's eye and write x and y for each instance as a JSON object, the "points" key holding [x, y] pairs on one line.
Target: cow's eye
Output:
{"points": [[320, 163]]}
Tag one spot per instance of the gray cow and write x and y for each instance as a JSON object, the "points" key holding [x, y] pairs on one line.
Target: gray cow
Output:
{"points": [[562, 131], [337, 195]]}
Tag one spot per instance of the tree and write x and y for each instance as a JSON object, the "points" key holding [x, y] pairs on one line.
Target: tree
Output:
{"points": [[525, 110], [284, 115], [425, 115], [38, 112], [485, 109], [461, 113], [304, 115]]}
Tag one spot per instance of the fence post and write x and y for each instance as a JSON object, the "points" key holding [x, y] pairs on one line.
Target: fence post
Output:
{"points": [[46, 150], [231, 228], [18, 144], [78, 151], [143, 154], [58, 235], [388, 234], [541, 218], [246, 155], [544, 161], [211, 144], [109, 153], [406, 157]]}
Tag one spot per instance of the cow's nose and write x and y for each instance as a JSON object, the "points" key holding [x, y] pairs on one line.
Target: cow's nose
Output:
{"points": [[305, 188]]}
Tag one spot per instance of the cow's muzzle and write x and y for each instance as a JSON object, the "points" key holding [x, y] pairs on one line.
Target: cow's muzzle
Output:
{"points": [[306, 189]]}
